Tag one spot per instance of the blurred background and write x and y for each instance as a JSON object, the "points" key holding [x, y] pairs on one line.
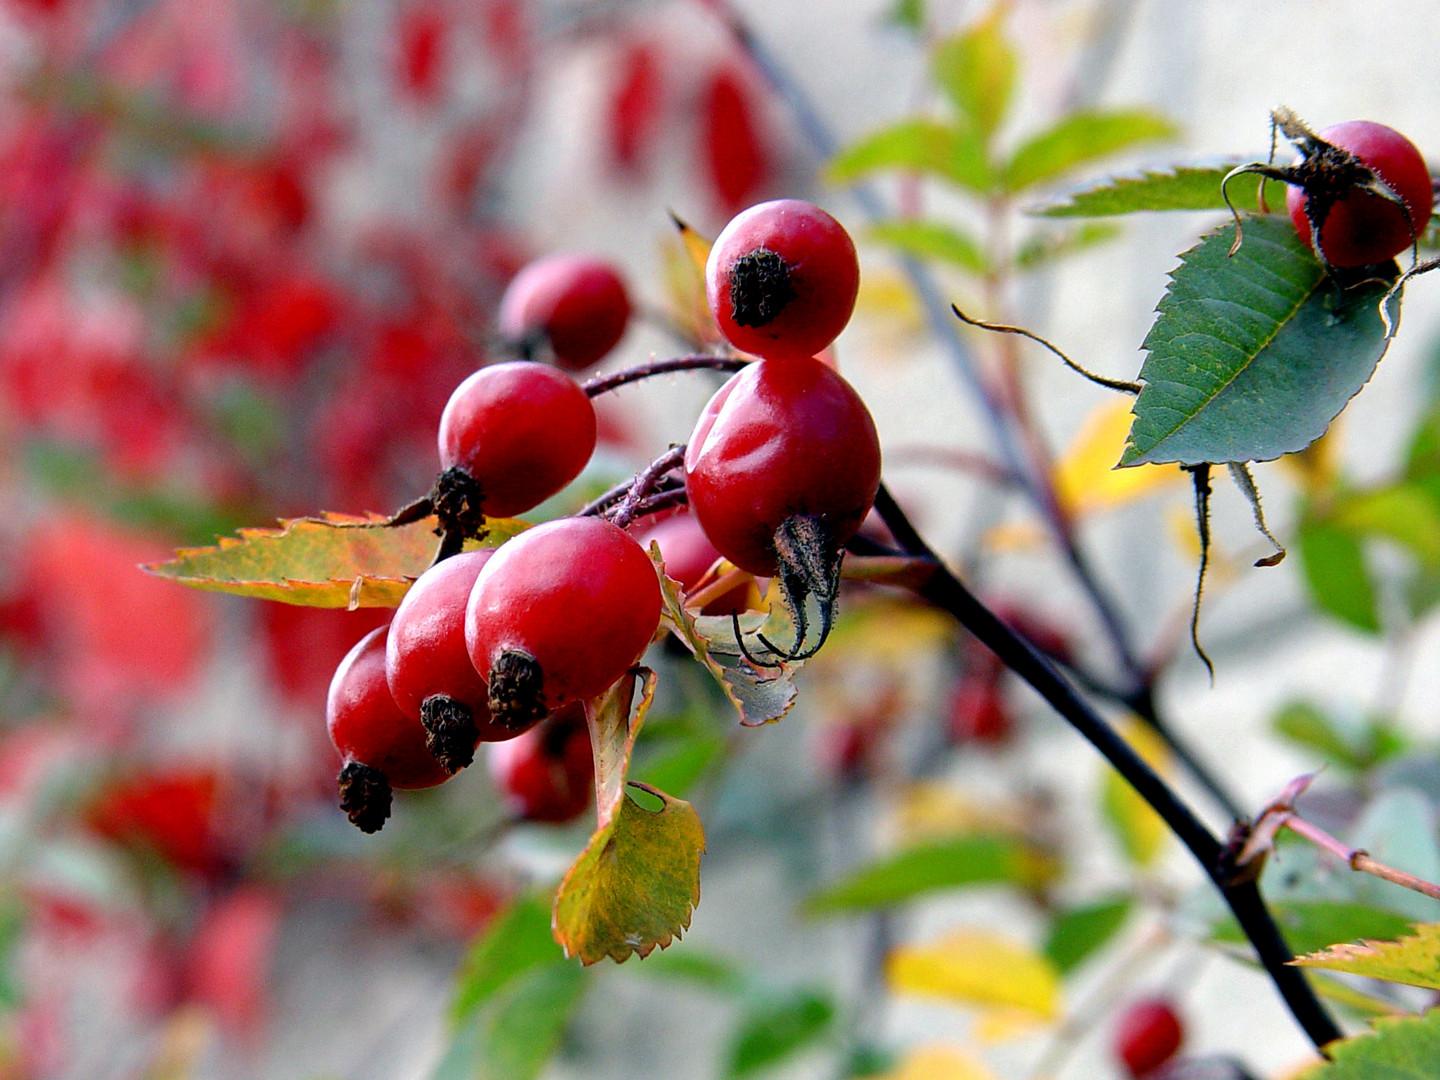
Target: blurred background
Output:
{"points": [[247, 249]]}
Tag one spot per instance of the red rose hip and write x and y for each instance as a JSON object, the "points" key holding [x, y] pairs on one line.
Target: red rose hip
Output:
{"points": [[381, 747], [1148, 1035], [576, 304], [520, 430], [559, 614], [548, 773], [782, 279], [1360, 227]]}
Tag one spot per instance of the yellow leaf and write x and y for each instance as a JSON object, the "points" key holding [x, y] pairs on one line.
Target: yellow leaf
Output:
{"points": [[929, 811], [889, 301], [977, 968], [998, 1025], [1141, 830], [1086, 479], [938, 1062]]}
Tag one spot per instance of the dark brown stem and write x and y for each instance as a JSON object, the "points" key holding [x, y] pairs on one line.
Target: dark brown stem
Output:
{"points": [[947, 592]]}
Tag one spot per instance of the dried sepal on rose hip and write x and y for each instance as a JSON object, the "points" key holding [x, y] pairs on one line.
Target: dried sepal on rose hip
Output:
{"points": [[559, 614], [780, 471], [1359, 193], [781, 279], [573, 308], [380, 746], [517, 432]]}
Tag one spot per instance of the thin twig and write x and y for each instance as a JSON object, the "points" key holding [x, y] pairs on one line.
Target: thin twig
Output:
{"points": [[644, 483], [602, 384], [1125, 386]]}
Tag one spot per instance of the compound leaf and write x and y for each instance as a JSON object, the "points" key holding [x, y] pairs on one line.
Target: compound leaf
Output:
{"points": [[951, 152], [1251, 357], [1079, 138], [1414, 959], [977, 859], [1184, 187], [638, 880], [336, 560], [1400, 1048]]}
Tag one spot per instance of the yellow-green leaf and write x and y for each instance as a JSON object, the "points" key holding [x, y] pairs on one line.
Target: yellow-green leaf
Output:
{"points": [[977, 71], [336, 560], [1403, 1048], [976, 968], [933, 240], [637, 882], [1414, 959], [952, 152], [1140, 829], [761, 695]]}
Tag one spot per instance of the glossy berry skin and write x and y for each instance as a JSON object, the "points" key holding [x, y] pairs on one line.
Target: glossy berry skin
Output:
{"points": [[425, 652], [367, 726], [1149, 1034], [688, 555], [781, 439], [522, 430], [577, 595], [548, 773], [576, 304], [782, 279], [1362, 228]]}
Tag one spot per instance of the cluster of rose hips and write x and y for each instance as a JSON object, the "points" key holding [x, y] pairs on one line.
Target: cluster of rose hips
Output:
{"points": [[506, 645]]}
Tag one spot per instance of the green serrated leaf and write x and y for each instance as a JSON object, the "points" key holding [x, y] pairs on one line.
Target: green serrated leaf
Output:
{"points": [[1043, 250], [977, 71], [1079, 931], [336, 560], [1414, 959], [1336, 573], [637, 882], [976, 859], [1182, 187], [1309, 925], [774, 1027], [515, 942], [1079, 138], [1251, 357], [760, 695], [1400, 1048], [920, 145], [933, 240], [517, 1033]]}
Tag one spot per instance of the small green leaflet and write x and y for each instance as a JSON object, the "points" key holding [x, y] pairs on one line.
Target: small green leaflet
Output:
{"points": [[774, 1027], [335, 560], [638, 880], [1251, 357], [1182, 187], [1402, 1048]]}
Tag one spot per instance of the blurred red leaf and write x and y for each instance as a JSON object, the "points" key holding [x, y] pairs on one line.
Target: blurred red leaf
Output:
{"points": [[230, 956], [172, 813], [634, 108], [734, 156]]}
